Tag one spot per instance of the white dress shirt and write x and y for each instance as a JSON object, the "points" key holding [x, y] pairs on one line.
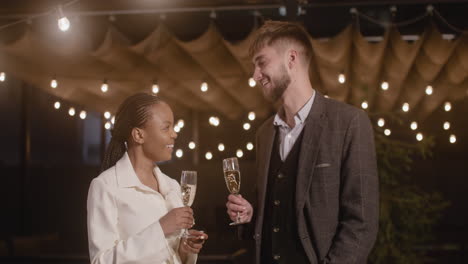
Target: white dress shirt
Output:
{"points": [[123, 218], [288, 135]]}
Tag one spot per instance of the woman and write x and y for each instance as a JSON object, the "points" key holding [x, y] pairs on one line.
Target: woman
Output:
{"points": [[135, 212]]}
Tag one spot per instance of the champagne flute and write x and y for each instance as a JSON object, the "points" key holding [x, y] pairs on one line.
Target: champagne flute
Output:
{"points": [[233, 180], [188, 186]]}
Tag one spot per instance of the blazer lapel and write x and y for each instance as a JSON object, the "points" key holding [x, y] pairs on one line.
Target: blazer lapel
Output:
{"points": [[315, 123]]}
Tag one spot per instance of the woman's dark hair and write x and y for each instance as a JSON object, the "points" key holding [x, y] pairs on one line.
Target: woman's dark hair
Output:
{"points": [[133, 112]]}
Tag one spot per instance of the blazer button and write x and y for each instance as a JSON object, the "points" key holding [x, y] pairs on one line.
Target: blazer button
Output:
{"points": [[276, 229], [280, 176], [277, 202], [256, 236], [276, 257]]}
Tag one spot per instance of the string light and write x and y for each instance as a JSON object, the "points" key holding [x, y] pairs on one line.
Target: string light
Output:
{"points": [[208, 155], [414, 125], [155, 88], [176, 128], [239, 153], [104, 87], [246, 126], [57, 105], [62, 22], [107, 125], [405, 107], [181, 123], [251, 116], [191, 145], [447, 106], [429, 90], [107, 115], [113, 120], [364, 105], [326, 96], [71, 111], [419, 137], [249, 146], [387, 132], [381, 122], [179, 153], [53, 83], [446, 125], [2, 76], [252, 82], [384, 86], [204, 87], [83, 114], [221, 147], [341, 78], [453, 139]]}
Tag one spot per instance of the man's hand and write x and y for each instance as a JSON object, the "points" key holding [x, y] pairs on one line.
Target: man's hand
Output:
{"points": [[237, 204]]}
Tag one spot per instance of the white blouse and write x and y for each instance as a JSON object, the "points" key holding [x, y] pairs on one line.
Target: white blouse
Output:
{"points": [[123, 218]]}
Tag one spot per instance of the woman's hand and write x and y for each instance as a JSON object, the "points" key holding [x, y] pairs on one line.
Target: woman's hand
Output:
{"points": [[192, 244], [177, 219]]}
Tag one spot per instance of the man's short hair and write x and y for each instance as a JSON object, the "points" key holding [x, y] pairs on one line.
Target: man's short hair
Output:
{"points": [[275, 31]]}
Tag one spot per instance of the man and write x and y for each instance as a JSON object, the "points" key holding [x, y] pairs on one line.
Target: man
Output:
{"points": [[317, 185]]}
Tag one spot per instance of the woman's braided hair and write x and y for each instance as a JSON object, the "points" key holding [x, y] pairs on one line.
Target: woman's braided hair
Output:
{"points": [[133, 112]]}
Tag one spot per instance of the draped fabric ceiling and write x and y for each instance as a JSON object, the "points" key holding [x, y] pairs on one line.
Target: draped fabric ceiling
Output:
{"points": [[180, 67]]}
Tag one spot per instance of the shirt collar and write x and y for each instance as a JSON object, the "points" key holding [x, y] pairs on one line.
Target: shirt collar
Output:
{"points": [[300, 116], [126, 176]]}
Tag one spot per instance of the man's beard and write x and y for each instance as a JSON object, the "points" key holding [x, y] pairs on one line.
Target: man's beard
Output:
{"points": [[279, 86]]}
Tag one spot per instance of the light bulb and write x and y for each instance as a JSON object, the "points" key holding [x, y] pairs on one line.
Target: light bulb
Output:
{"points": [[2, 76], [239, 153], [176, 128], [204, 87], [83, 114], [104, 87], [71, 111], [364, 105], [179, 153], [447, 125], [249, 146], [453, 139], [381, 122], [181, 123], [429, 90], [208, 155], [214, 121], [107, 125], [419, 137], [107, 115], [387, 132], [63, 23], [447, 106], [405, 107], [155, 88], [113, 120], [252, 82], [191, 145], [57, 105], [251, 116], [221, 147], [384, 86], [53, 83], [414, 126], [246, 126], [341, 78]]}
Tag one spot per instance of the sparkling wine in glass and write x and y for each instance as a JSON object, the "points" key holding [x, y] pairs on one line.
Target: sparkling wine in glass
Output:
{"points": [[188, 186], [233, 180]]}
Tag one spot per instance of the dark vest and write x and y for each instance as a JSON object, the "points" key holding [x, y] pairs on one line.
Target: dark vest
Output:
{"points": [[280, 239]]}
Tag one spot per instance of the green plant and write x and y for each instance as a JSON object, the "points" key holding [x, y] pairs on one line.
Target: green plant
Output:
{"points": [[407, 213]]}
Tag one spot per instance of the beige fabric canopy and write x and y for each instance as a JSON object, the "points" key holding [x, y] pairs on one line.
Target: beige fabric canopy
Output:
{"points": [[180, 67]]}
